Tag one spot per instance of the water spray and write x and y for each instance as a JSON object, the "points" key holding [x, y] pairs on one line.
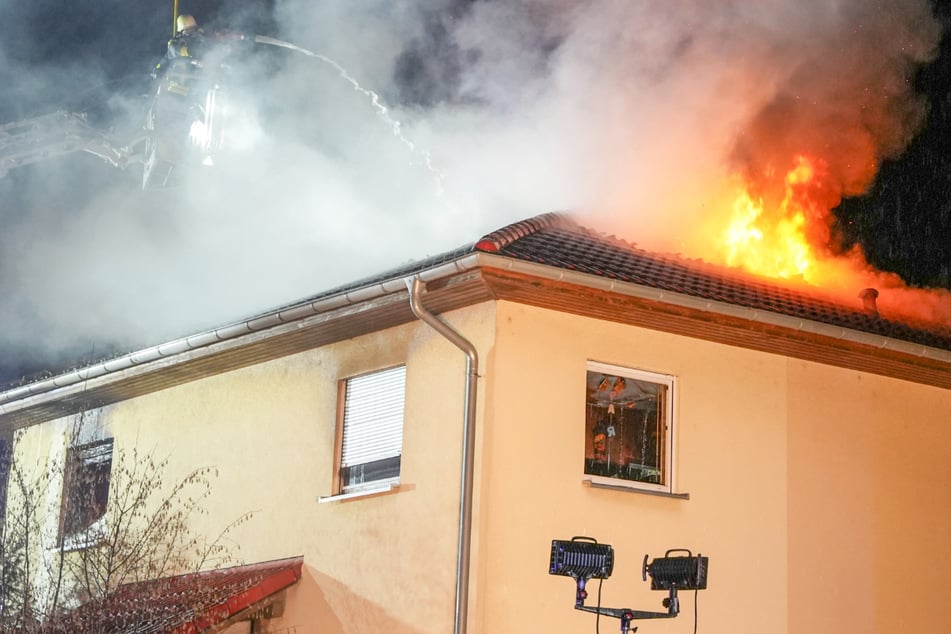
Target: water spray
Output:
{"points": [[378, 105]]}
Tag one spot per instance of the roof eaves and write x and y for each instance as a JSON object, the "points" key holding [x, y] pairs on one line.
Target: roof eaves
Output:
{"points": [[685, 300], [561, 242]]}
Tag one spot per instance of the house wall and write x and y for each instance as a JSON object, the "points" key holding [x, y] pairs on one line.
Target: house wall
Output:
{"points": [[869, 502], [730, 432], [34, 501], [811, 488], [815, 491], [380, 563]]}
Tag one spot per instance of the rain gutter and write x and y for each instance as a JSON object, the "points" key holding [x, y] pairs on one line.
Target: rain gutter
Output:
{"points": [[416, 287], [288, 319]]}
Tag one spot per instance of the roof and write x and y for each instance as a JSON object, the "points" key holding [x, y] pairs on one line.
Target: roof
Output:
{"points": [[556, 240], [184, 604], [549, 261]]}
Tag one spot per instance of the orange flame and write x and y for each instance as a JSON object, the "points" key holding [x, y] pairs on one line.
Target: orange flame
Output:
{"points": [[774, 242], [785, 234]]}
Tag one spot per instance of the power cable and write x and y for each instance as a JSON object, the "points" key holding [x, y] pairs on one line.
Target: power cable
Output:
{"points": [[696, 595], [597, 618]]}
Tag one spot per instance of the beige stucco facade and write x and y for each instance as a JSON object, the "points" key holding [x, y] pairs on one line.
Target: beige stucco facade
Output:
{"points": [[820, 494]]}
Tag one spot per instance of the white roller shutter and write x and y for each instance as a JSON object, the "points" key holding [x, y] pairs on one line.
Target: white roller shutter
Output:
{"points": [[373, 417]]}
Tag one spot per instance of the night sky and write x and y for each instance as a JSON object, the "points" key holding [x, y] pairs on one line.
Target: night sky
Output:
{"points": [[78, 56], [120, 39], [904, 222]]}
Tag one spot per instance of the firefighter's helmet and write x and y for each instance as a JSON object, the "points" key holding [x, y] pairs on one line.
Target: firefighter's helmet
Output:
{"points": [[185, 22]]}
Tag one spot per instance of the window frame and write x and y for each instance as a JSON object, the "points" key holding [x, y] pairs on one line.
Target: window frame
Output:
{"points": [[668, 458], [341, 486], [75, 460]]}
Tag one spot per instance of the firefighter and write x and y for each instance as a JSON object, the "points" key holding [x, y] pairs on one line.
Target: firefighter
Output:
{"points": [[188, 38], [185, 44]]}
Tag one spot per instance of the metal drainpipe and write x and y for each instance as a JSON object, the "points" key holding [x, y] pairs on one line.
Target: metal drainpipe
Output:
{"points": [[468, 448]]}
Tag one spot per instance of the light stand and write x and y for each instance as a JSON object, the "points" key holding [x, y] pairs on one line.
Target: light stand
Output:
{"points": [[583, 558]]}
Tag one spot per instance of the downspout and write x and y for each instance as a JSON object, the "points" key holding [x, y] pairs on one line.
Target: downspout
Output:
{"points": [[416, 286]]}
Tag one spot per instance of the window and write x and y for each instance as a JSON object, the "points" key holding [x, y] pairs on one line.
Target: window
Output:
{"points": [[85, 487], [628, 427], [370, 433]]}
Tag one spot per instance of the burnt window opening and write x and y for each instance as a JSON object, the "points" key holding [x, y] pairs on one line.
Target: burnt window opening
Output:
{"points": [[628, 427], [85, 487]]}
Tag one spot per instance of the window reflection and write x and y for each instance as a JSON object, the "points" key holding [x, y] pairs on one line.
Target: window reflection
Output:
{"points": [[625, 426]]}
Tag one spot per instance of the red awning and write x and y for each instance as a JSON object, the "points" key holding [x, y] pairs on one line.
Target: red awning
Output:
{"points": [[186, 604]]}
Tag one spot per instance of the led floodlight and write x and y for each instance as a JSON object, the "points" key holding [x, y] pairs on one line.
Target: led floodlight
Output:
{"points": [[683, 573], [581, 558]]}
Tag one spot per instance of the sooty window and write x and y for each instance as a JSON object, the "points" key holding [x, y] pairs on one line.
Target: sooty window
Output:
{"points": [[628, 427]]}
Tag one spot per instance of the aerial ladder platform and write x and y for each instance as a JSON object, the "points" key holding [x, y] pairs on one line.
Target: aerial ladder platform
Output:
{"points": [[48, 136]]}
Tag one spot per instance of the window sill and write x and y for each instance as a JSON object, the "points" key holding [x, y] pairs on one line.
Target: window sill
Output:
{"points": [[92, 535], [342, 497], [630, 489], [76, 543]]}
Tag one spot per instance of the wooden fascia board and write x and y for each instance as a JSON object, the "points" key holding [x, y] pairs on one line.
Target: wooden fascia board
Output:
{"points": [[715, 327]]}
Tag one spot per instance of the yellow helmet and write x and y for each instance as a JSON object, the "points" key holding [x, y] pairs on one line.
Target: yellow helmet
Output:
{"points": [[185, 22]]}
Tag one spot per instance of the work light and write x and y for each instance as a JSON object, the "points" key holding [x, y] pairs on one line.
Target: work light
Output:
{"points": [[685, 572], [583, 558]]}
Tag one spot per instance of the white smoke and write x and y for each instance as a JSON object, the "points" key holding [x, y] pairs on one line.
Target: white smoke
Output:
{"points": [[627, 112]]}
